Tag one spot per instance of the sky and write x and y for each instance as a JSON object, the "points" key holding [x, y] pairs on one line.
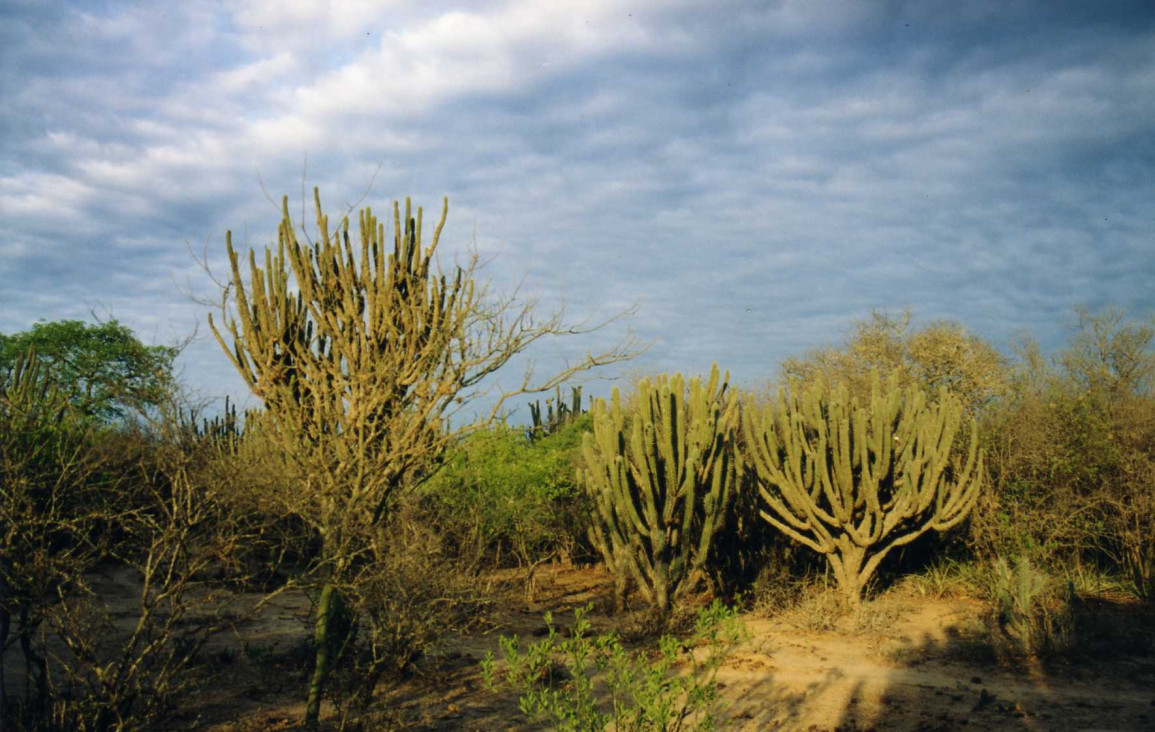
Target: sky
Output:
{"points": [[751, 176]]}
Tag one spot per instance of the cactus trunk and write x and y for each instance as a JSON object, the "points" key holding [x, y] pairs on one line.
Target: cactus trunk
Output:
{"points": [[324, 631], [847, 565]]}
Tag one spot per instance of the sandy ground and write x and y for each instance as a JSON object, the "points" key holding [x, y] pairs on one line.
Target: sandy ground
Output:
{"points": [[903, 663]]}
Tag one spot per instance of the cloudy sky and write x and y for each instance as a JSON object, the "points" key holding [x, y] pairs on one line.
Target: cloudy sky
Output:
{"points": [[753, 175]]}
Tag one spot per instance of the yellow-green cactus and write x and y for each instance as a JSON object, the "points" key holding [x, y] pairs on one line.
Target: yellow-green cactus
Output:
{"points": [[853, 482], [661, 470]]}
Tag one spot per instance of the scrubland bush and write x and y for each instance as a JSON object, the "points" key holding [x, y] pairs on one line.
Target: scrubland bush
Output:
{"points": [[943, 355], [502, 498], [579, 683], [1072, 455], [393, 611], [51, 517], [77, 497]]}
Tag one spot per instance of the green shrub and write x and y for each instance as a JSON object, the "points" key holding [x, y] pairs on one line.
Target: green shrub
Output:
{"points": [[503, 499], [580, 683]]}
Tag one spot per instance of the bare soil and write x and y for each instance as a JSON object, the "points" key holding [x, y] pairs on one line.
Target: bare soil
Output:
{"points": [[902, 662]]}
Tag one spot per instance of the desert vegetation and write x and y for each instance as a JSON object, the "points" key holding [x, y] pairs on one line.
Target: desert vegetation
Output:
{"points": [[368, 487]]}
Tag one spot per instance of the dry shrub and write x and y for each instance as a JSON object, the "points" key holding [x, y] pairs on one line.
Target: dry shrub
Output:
{"points": [[1072, 455], [819, 608], [396, 608], [171, 530], [133, 502]]}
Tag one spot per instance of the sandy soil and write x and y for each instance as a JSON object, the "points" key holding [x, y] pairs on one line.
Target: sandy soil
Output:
{"points": [[902, 663]]}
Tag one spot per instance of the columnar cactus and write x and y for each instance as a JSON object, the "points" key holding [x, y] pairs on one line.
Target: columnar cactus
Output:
{"points": [[853, 482], [660, 471], [357, 349], [551, 420], [362, 350]]}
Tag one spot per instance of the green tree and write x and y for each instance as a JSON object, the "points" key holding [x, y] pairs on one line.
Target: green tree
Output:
{"points": [[103, 369]]}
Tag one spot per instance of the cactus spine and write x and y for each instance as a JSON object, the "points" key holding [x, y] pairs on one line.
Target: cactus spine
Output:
{"points": [[853, 482], [660, 471]]}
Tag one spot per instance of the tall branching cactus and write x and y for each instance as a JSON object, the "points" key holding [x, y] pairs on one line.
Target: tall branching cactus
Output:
{"points": [[356, 365], [360, 350], [661, 471], [853, 482]]}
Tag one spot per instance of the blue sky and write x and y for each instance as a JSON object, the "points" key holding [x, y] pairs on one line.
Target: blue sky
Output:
{"points": [[754, 176]]}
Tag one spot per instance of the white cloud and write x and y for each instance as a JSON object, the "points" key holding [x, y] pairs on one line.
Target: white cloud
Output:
{"points": [[332, 21], [264, 71], [462, 52]]}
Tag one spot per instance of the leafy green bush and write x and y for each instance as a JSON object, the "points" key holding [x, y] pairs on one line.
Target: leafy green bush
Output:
{"points": [[560, 677], [503, 499]]}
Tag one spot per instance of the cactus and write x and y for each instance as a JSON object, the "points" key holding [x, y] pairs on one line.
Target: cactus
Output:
{"points": [[225, 431], [28, 388], [660, 471], [554, 419], [357, 351], [854, 482], [1033, 612], [362, 350]]}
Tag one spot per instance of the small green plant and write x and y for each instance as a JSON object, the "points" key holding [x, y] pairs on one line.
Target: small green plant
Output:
{"points": [[579, 683], [1032, 614]]}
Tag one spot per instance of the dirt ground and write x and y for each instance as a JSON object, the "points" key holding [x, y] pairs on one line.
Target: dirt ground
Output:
{"points": [[901, 663]]}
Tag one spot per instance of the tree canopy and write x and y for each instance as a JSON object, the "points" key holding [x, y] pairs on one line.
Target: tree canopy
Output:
{"points": [[943, 354], [103, 368]]}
